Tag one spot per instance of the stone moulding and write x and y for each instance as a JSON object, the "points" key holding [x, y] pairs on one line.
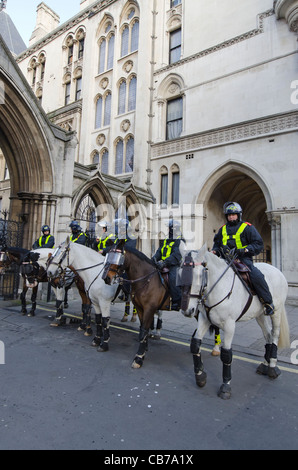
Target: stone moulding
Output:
{"points": [[259, 128]]}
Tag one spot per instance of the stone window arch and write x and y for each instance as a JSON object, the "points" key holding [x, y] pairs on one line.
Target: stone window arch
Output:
{"points": [[163, 184]]}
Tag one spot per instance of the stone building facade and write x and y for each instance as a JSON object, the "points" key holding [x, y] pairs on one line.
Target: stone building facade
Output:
{"points": [[177, 106]]}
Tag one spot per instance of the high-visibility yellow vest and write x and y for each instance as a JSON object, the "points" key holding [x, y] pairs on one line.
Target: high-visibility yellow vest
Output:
{"points": [[75, 239], [40, 240], [103, 243], [167, 249], [226, 237]]}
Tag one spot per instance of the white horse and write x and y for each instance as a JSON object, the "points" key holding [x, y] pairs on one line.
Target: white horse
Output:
{"points": [[88, 264], [221, 299]]}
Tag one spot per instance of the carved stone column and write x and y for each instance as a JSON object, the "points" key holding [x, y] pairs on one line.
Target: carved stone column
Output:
{"points": [[287, 9]]}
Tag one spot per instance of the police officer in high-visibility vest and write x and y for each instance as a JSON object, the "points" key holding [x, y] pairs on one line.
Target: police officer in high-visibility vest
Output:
{"points": [[245, 238], [46, 240], [168, 255], [107, 238], [77, 235]]}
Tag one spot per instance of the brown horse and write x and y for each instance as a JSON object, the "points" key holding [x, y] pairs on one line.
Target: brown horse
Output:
{"points": [[149, 289], [33, 270]]}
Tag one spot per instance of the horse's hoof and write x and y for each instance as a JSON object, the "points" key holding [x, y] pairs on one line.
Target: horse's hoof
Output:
{"points": [[124, 318], [262, 369], [81, 328], [56, 323], [134, 318], [201, 379], [225, 392], [31, 314], [66, 305], [136, 365], [95, 341], [88, 332], [103, 347], [215, 351], [24, 312], [273, 372]]}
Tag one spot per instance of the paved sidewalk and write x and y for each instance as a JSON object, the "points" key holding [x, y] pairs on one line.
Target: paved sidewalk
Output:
{"points": [[248, 337]]}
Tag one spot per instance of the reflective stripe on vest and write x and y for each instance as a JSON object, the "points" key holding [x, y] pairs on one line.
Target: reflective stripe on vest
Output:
{"points": [[226, 237], [102, 243], [168, 248], [75, 239], [40, 240]]}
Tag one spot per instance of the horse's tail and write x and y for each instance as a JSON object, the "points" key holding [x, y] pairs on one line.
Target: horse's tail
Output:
{"points": [[284, 335]]}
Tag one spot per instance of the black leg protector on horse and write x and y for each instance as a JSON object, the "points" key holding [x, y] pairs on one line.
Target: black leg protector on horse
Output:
{"points": [[86, 309], [33, 306], [106, 335], [200, 374], [59, 312], [98, 334], [226, 357], [143, 346], [23, 301]]}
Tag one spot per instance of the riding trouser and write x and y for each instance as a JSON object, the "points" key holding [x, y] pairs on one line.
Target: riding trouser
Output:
{"points": [[258, 281]]}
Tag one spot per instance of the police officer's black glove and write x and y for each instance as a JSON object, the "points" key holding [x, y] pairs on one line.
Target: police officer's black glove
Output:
{"points": [[160, 264], [241, 251]]}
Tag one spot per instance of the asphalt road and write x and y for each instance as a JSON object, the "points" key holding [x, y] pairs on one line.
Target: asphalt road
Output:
{"points": [[57, 392]]}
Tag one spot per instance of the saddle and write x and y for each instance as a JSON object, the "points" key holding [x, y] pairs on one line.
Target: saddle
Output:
{"points": [[243, 271]]}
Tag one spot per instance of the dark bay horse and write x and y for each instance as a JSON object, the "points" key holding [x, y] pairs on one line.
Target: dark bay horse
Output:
{"points": [[149, 291], [32, 266]]}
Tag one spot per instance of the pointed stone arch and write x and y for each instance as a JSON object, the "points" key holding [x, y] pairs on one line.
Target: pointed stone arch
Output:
{"points": [[235, 181]]}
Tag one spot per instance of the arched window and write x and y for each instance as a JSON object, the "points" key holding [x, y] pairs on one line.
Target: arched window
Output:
{"points": [[98, 112], [164, 186], [124, 41], [110, 59], [102, 56], [95, 159], [175, 174], [122, 97], [129, 158], [107, 110], [105, 161], [132, 94], [119, 157], [134, 37]]}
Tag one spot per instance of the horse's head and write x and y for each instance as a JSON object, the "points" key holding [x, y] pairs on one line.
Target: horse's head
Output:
{"points": [[192, 278], [58, 262], [5, 261], [30, 269], [113, 264]]}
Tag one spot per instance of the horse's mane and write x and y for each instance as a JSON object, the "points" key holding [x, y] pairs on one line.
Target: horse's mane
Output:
{"points": [[139, 254], [17, 250]]}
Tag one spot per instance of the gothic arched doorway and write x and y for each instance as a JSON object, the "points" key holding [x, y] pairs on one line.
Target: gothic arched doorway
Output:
{"points": [[235, 184]]}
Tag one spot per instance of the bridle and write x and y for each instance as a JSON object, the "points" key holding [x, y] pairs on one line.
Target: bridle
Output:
{"points": [[62, 273], [203, 295]]}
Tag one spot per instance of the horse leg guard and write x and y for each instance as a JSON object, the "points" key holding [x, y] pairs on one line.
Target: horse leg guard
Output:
{"points": [[87, 315], [200, 374], [126, 311], [23, 300], [59, 319], [143, 346], [83, 323], [217, 343], [264, 366], [273, 370], [134, 314], [33, 307], [104, 346], [226, 357], [98, 335]]}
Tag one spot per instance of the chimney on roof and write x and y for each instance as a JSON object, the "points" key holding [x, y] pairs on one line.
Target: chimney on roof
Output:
{"points": [[46, 21]]}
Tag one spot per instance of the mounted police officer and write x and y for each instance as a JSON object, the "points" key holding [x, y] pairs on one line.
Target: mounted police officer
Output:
{"points": [[168, 255], [77, 235], [245, 238], [46, 240], [107, 238]]}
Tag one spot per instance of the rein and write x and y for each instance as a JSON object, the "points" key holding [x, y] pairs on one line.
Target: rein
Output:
{"points": [[202, 297]]}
